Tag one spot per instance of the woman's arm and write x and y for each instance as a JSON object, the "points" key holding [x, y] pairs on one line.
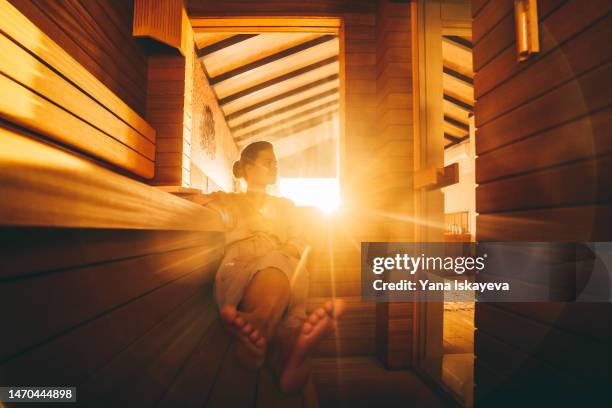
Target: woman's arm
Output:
{"points": [[220, 202]]}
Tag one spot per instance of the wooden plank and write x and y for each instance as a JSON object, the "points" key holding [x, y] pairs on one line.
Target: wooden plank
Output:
{"points": [[546, 343], [455, 111], [265, 9], [78, 28], [52, 187], [568, 317], [553, 147], [104, 385], [294, 129], [146, 388], [285, 100], [118, 43], [588, 93], [288, 122], [53, 298], [21, 30], [566, 224], [242, 122], [268, 394], [489, 16], [22, 67], [278, 88], [259, 74], [77, 354], [457, 57], [25, 108], [519, 370], [251, 50], [581, 53], [477, 5], [59, 248], [577, 183], [458, 89], [225, 393], [269, 21], [203, 40], [75, 40], [502, 36], [194, 383], [562, 24]]}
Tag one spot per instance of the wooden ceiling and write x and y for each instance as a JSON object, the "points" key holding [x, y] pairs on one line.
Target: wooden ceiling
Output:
{"points": [[458, 84], [274, 84]]}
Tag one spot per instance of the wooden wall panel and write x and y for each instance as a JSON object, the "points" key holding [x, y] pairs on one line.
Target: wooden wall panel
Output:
{"points": [[94, 34], [47, 90], [543, 158], [394, 169]]}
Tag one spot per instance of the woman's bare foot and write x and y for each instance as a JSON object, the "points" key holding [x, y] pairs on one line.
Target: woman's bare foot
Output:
{"points": [[320, 322], [251, 348]]}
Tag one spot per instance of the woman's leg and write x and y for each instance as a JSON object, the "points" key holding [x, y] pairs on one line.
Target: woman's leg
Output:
{"points": [[263, 304]]}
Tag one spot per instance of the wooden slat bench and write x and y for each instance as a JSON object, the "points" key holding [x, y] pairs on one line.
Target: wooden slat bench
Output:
{"points": [[105, 285]]}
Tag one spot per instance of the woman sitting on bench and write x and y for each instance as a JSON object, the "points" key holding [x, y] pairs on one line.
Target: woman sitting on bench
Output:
{"points": [[261, 284]]}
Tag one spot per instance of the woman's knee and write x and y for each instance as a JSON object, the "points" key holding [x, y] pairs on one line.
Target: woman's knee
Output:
{"points": [[269, 285]]}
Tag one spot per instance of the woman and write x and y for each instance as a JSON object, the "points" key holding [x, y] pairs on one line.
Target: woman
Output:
{"points": [[261, 284]]}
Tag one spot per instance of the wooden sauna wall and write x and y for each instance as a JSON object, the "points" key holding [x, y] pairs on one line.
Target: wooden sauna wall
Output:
{"points": [[543, 170], [104, 281], [394, 162], [98, 34]]}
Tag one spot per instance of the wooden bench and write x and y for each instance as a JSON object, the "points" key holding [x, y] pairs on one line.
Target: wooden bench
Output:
{"points": [[105, 285]]}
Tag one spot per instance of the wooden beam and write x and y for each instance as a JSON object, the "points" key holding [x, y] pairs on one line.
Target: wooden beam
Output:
{"points": [[265, 112], [298, 127], [458, 89], [205, 39], [260, 24], [288, 121], [455, 111], [298, 84], [227, 42], [457, 57], [291, 96], [271, 58], [452, 130], [288, 76], [463, 41], [458, 75], [432, 178], [252, 49], [464, 105], [282, 114], [457, 123]]}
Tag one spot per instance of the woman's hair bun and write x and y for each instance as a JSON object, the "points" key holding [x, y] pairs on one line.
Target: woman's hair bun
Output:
{"points": [[238, 169]]}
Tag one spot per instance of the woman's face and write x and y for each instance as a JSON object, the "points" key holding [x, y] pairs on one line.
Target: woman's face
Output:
{"points": [[263, 170]]}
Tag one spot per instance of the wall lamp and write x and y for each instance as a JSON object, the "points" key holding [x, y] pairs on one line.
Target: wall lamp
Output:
{"points": [[527, 30]]}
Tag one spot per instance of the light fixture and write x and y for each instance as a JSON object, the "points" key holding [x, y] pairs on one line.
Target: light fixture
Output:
{"points": [[527, 31]]}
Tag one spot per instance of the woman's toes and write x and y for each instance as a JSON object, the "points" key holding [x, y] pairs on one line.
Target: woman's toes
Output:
{"points": [[313, 319], [247, 329], [239, 321], [261, 342], [228, 314], [321, 312], [306, 328], [254, 336]]}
